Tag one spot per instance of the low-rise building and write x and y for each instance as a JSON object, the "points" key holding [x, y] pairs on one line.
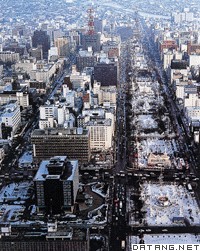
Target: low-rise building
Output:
{"points": [[57, 237], [22, 96], [105, 94], [159, 159], [9, 56], [10, 115], [192, 97]]}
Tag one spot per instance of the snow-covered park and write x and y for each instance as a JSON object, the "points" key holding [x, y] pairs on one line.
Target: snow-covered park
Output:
{"points": [[166, 204], [15, 191]]}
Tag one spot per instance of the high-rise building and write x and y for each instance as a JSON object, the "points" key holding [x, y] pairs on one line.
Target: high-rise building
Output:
{"points": [[41, 38], [193, 48], [53, 54], [72, 142], [91, 40], [106, 73], [21, 95], [74, 37], [168, 44], [85, 59], [62, 43], [101, 132], [79, 80], [98, 25], [185, 16], [56, 185], [105, 94], [56, 34]]}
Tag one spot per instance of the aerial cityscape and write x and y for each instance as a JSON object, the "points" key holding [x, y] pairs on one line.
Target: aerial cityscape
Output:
{"points": [[99, 124]]}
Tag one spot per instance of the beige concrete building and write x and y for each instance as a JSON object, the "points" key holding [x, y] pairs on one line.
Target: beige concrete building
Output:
{"points": [[9, 56], [62, 43], [101, 133]]}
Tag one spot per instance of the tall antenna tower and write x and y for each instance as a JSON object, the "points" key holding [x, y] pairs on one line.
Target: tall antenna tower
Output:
{"points": [[91, 21]]}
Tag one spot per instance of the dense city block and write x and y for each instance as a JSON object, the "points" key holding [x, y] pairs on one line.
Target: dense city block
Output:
{"points": [[99, 124]]}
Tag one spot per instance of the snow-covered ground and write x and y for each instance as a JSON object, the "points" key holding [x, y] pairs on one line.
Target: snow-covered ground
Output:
{"points": [[155, 146], [15, 191], [158, 145], [99, 190], [26, 159], [161, 146], [146, 122], [153, 129], [165, 239], [146, 96], [180, 204], [10, 212]]}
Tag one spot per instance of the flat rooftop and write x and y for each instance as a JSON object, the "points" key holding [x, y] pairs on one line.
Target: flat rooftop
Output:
{"points": [[67, 169], [59, 131]]}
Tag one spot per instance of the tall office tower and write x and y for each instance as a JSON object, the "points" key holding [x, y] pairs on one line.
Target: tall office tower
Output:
{"points": [[62, 43], [106, 73], [75, 38], [56, 184], [98, 25], [41, 38], [91, 38]]}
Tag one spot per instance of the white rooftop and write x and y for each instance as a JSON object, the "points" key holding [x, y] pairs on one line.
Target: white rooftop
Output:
{"points": [[165, 239]]}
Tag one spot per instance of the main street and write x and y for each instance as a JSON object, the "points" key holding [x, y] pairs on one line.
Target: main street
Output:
{"points": [[119, 216], [121, 112], [125, 176]]}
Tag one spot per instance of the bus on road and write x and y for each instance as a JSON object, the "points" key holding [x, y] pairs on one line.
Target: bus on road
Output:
{"points": [[123, 244]]}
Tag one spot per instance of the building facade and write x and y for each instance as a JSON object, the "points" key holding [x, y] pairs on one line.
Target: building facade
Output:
{"points": [[91, 40], [56, 184], [10, 115], [74, 143], [85, 59], [22, 97], [56, 237], [101, 133], [106, 73], [62, 43], [41, 38], [9, 56], [33, 244]]}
